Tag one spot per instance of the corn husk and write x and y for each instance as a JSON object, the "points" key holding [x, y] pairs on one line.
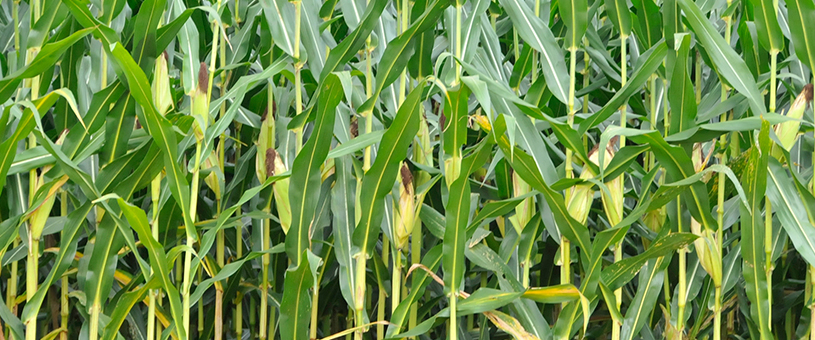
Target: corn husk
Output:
{"points": [[199, 105], [612, 200], [45, 197], [274, 165], [405, 213], [162, 96], [212, 181], [787, 132], [706, 246], [266, 141]]}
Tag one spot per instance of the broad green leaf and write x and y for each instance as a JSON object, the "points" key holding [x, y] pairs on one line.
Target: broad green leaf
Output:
{"points": [[455, 123], [540, 37], [649, 23], [457, 217], [619, 273], [769, 33], [801, 21], [653, 59], [619, 14], [680, 91], [752, 234], [575, 17], [46, 58], [728, 64], [379, 179], [650, 285], [25, 125], [400, 49], [305, 182], [553, 294], [295, 307], [158, 258], [791, 210], [124, 306], [348, 47]]}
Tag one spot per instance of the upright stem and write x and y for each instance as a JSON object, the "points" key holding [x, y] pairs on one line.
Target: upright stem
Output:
{"points": [[64, 306], [768, 210], [717, 310], [238, 315], [264, 284], [380, 304], [298, 65], [185, 288], [155, 189], [680, 317], [812, 306], [31, 282], [618, 248]]}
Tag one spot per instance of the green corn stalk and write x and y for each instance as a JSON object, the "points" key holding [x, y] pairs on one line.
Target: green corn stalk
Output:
{"points": [[163, 99]]}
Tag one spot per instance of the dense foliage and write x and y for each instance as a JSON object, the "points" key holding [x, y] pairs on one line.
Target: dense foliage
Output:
{"points": [[460, 169]]}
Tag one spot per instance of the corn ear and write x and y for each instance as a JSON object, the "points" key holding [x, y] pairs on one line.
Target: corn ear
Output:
{"points": [[706, 246], [161, 85], [199, 104], [613, 200], [274, 165], [39, 215], [404, 216], [266, 141], [212, 181], [787, 132]]}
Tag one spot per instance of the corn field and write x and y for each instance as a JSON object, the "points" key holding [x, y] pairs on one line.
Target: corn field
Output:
{"points": [[407, 169]]}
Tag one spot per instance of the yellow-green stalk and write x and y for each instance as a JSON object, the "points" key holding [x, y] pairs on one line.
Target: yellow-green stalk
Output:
{"points": [[422, 154], [618, 248], [237, 318], [221, 237], [361, 261], [717, 302], [298, 66], [380, 305], [36, 225], [163, 100], [199, 109]]}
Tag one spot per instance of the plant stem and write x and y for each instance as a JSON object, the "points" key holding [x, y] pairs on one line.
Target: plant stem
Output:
{"points": [[237, 319], [380, 304], [185, 288], [618, 248], [768, 252], [155, 189], [811, 306], [681, 300], [298, 65], [31, 282], [264, 283]]}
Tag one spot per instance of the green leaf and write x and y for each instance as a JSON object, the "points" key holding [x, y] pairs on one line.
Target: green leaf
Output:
{"points": [[295, 307], [378, 180], [348, 47], [537, 34], [158, 258], [455, 125], [305, 182], [619, 14], [680, 91], [457, 217], [728, 64], [619, 273], [801, 21], [45, 59], [769, 33], [649, 287], [649, 28], [791, 211], [123, 307], [653, 59], [752, 234], [575, 17], [553, 294]]}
